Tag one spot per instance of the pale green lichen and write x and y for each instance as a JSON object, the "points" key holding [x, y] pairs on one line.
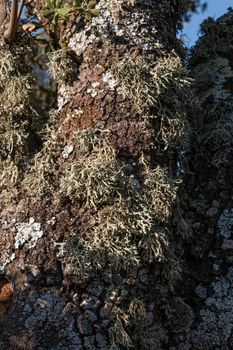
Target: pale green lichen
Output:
{"points": [[128, 226], [129, 327], [15, 93], [40, 179], [7, 65], [62, 66], [153, 90], [93, 180]]}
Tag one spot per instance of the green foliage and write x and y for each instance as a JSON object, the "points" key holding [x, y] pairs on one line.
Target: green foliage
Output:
{"points": [[60, 10]]}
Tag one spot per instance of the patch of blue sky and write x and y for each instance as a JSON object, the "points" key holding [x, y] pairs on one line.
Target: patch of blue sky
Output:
{"points": [[215, 9]]}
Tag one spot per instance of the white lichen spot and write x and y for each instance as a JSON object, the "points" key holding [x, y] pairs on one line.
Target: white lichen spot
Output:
{"points": [[110, 80], [121, 21], [6, 258], [52, 221], [225, 223], [63, 96], [27, 234], [68, 149], [95, 85], [93, 90], [80, 41]]}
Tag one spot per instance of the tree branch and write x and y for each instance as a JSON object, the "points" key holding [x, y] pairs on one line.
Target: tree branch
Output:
{"points": [[10, 33]]}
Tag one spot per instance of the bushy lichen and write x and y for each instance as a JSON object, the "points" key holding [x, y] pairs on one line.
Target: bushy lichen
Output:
{"points": [[62, 66], [40, 179], [153, 89], [127, 228], [14, 117], [93, 178], [131, 326]]}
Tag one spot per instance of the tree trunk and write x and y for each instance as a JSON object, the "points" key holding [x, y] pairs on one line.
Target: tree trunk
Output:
{"points": [[91, 231], [209, 275]]}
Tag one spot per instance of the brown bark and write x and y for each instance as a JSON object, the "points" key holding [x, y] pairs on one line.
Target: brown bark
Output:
{"points": [[110, 304]]}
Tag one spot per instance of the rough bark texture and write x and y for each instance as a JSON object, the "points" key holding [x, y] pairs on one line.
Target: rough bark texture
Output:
{"points": [[91, 231], [92, 227], [208, 282]]}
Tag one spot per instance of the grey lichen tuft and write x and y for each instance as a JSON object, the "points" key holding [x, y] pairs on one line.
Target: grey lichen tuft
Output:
{"points": [[15, 90], [132, 325], [127, 225], [153, 89], [62, 66], [92, 180], [39, 181]]}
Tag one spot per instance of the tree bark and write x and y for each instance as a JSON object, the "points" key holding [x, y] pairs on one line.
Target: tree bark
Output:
{"points": [[208, 281], [91, 231]]}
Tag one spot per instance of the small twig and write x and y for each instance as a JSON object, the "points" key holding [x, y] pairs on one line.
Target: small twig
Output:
{"points": [[10, 33]]}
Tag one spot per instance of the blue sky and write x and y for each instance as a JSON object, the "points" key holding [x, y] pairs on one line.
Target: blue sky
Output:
{"points": [[215, 9]]}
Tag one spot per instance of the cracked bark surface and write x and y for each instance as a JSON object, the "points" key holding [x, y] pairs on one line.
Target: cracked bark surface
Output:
{"points": [[207, 286], [51, 308]]}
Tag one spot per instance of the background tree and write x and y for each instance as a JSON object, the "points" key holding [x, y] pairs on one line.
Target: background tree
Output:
{"points": [[209, 190]]}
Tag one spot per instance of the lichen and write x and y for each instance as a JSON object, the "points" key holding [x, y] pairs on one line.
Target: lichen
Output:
{"points": [[131, 326], [128, 227], [225, 223], [15, 90], [216, 323], [153, 89], [39, 180], [62, 66], [27, 234], [92, 180]]}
